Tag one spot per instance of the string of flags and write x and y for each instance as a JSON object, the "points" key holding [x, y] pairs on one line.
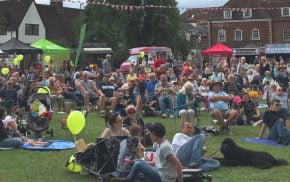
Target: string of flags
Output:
{"points": [[142, 7]]}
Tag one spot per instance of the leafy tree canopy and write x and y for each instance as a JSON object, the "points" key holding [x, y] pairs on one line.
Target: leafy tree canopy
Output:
{"points": [[124, 29]]}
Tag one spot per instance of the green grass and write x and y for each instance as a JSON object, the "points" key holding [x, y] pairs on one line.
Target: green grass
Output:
{"points": [[23, 165]]}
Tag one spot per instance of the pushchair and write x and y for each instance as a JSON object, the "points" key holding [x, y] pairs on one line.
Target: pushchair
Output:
{"points": [[38, 111], [101, 158]]}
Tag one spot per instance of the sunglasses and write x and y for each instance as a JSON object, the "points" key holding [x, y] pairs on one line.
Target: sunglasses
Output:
{"points": [[278, 105], [131, 111], [279, 90]]}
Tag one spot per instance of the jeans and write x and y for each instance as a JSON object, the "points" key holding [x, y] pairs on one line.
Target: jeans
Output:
{"points": [[191, 152], [59, 99], [74, 97], [14, 142], [279, 130], [148, 171], [165, 100]]}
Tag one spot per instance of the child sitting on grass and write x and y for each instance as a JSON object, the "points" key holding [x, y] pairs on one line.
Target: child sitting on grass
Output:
{"points": [[9, 135]]}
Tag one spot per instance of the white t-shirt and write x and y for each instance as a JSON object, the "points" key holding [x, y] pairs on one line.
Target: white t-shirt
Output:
{"points": [[166, 170], [179, 139]]}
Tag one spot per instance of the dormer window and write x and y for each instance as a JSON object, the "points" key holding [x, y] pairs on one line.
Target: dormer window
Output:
{"points": [[285, 11], [3, 29], [227, 14], [247, 13]]}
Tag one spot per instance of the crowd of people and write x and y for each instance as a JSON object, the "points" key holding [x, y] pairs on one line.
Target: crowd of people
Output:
{"points": [[231, 91]]}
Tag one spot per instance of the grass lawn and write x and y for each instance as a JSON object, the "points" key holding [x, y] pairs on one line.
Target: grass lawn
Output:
{"points": [[23, 165]]}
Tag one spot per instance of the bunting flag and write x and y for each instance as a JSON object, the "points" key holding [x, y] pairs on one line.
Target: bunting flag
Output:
{"points": [[131, 8]]}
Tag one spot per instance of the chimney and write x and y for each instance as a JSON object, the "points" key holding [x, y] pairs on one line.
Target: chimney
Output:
{"points": [[57, 4]]}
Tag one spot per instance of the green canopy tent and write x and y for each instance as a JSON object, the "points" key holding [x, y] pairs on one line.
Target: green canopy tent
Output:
{"points": [[56, 52]]}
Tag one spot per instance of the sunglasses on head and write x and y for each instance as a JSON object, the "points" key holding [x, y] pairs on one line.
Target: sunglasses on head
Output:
{"points": [[130, 111]]}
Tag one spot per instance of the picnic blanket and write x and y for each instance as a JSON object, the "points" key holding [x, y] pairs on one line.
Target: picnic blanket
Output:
{"points": [[53, 145], [263, 141]]}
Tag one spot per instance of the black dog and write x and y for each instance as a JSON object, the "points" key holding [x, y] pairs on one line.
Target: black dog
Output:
{"points": [[238, 156]]}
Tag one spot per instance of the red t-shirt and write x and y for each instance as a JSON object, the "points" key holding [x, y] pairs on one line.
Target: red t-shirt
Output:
{"points": [[157, 64]]}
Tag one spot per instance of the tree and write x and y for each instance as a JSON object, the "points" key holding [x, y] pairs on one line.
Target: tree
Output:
{"points": [[123, 29]]}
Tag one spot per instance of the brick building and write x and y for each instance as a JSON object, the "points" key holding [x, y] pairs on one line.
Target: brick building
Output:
{"points": [[240, 23]]}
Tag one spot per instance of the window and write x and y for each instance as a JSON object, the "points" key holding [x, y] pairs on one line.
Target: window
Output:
{"points": [[222, 35], [285, 11], [227, 14], [238, 35], [31, 29], [286, 34], [255, 34], [247, 13], [3, 30]]}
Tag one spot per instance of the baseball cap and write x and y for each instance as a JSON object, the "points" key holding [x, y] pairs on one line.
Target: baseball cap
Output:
{"points": [[157, 129]]}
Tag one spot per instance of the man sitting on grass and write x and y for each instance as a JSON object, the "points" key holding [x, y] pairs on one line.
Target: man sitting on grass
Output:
{"points": [[220, 108], [189, 149], [167, 166], [276, 121]]}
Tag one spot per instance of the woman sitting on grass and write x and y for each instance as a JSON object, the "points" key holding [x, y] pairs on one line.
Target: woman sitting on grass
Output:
{"points": [[251, 112], [133, 118], [9, 135], [114, 123], [130, 149]]}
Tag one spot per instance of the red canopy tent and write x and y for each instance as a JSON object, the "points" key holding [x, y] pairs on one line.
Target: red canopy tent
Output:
{"points": [[218, 48]]}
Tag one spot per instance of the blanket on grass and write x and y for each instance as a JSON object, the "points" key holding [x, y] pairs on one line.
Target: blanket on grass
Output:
{"points": [[263, 141], [52, 145]]}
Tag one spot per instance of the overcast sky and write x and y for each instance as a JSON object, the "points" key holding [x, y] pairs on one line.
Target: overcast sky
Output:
{"points": [[181, 3]]}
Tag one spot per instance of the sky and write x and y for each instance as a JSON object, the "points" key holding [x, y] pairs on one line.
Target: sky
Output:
{"points": [[181, 3]]}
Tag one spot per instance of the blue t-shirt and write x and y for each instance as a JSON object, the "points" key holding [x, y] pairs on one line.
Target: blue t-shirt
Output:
{"points": [[150, 87], [107, 89], [221, 105]]}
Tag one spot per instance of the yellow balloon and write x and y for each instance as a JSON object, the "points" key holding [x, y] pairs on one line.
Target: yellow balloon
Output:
{"points": [[5, 71], [43, 90], [142, 54], [47, 59], [76, 122], [73, 166], [15, 61], [20, 57]]}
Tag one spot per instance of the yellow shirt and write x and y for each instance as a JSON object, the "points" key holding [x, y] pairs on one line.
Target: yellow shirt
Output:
{"points": [[131, 77]]}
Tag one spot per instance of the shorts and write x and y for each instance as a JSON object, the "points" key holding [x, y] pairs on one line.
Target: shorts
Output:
{"points": [[225, 113]]}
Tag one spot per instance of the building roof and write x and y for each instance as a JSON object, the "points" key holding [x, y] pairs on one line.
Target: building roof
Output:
{"points": [[59, 25], [12, 12], [212, 14], [58, 22], [256, 3]]}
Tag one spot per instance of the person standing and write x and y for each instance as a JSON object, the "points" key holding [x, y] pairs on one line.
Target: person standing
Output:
{"points": [[107, 65], [243, 67], [234, 61]]}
